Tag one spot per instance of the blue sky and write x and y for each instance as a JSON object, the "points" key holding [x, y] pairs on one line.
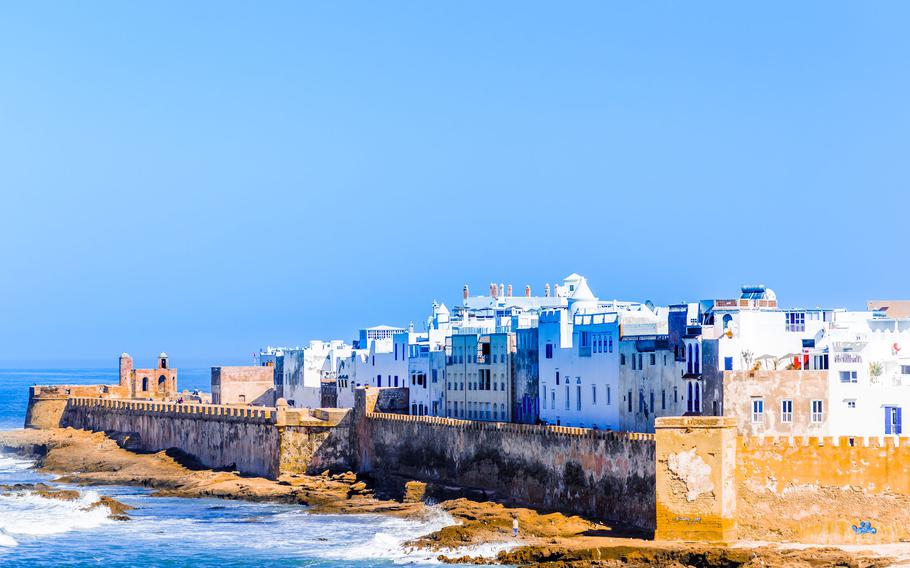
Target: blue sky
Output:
{"points": [[207, 178]]}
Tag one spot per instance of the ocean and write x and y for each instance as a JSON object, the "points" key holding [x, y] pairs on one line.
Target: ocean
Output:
{"points": [[35, 531]]}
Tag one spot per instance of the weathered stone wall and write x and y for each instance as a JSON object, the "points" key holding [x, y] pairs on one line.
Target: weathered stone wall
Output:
{"points": [[799, 387], [244, 385], [696, 493], [818, 489], [47, 403], [314, 449], [218, 437], [593, 473]]}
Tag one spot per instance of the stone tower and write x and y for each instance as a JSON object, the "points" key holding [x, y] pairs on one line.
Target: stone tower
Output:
{"points": [[126, 371]]}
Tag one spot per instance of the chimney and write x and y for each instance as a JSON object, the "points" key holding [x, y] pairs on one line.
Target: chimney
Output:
{"points": [[493, 290], [527, 291], [546, 290], [509, 294], [464, 292], [502, 289]]}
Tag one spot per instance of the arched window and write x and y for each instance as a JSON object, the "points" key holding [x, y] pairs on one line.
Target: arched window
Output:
{"points": [[145, 384], [696, 363], [690, 398], [728, 321], [162, 383], [689, 360]]}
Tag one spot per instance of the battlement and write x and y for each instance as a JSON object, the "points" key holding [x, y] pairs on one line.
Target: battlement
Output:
{"points": [[527, 429], [747, 442], [252, 414]]}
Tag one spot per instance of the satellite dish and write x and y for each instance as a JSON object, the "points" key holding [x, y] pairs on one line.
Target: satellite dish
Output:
{"points": [[649, 304]]}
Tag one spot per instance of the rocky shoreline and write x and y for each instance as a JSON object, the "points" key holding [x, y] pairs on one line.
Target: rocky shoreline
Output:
{"points": [[549, 540]]}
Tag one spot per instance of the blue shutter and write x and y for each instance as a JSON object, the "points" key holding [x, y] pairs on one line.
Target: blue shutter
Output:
{"points": [[898, 421], [887, 420]]}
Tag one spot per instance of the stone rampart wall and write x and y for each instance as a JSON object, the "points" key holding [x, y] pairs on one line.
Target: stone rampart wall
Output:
{"points": [[257, 441], [598, 474], [823, 489], [218, 437]]}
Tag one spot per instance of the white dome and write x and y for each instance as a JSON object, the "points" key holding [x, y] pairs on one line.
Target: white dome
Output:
{"points": [[582, 292], [162, 355], [124, 355]]}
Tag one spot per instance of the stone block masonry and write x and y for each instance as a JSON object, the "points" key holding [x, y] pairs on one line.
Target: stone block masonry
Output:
{"points": [[694, 480], [604, 475], [824, 490], [258, 441]]}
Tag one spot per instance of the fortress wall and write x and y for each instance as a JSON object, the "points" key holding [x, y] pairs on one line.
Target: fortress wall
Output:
{"points": [[244, 439], [47, 403], [814, 489], [598, 474]]}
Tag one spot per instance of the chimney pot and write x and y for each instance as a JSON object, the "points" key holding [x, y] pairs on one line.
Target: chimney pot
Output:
{"points": [[465, 292], [510, 291], [527, 291]]}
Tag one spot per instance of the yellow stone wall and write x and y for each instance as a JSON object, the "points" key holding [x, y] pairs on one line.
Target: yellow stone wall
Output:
{"points": [[695, 478]]}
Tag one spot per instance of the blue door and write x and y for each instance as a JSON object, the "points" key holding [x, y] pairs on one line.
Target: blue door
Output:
{"points": [[893, 420]]}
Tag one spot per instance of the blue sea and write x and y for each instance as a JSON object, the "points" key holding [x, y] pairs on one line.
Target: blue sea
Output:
{"points": [[35, 531]]}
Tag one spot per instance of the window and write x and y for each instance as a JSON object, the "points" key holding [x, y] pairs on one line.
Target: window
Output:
{"points": [[848, 376], [905, 369], [434, 378], [675, 395], [543, 396], [622, 359], [557, 378], [553, 399], [593, 394], [578, 397], [851, 404], [630, 401], [758, 410], [817, 411], [567, 398], [652, 402], [663, 399], [610, 343], [796, 321], [786, 411], [608, 396], [549, 351], [585, 339], [653, 358], [728, 363]]}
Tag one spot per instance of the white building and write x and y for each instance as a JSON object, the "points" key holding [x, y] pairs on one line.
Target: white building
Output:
{"points": [[299, 373]]}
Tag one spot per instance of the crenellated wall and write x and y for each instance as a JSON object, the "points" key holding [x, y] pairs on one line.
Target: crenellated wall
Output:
{"points": [[822, 490], [257, 441], [598, 474], [695, 481]]}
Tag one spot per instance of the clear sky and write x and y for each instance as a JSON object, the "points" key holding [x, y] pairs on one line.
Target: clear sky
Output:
{"points": [[209, 178]]}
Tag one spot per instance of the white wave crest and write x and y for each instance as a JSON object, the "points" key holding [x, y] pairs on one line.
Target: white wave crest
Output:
{"points": [[391, 534], [6, 541], [13, 464], [30, 515]]}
